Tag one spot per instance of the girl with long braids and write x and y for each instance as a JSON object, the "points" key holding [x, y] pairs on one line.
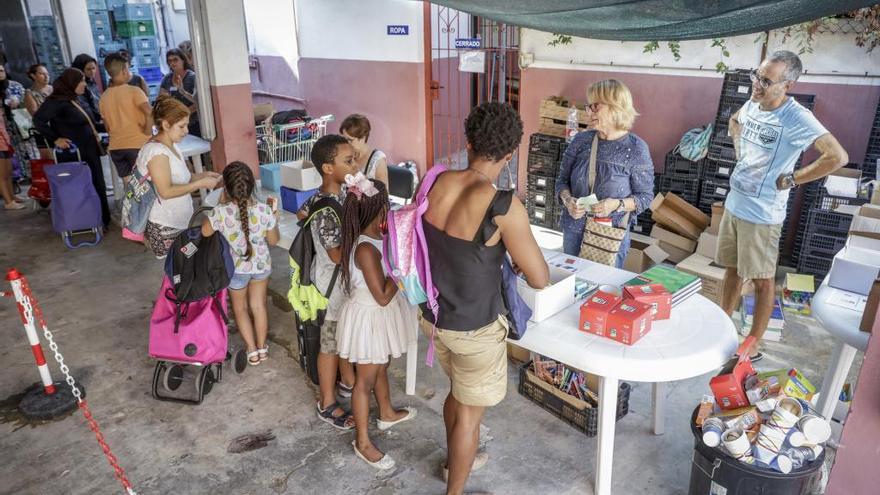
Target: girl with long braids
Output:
{"points": [[250, 227], [375, 322]]}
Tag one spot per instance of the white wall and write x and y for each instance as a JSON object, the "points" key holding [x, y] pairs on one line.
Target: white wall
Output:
{"points": [[834, 55], [227, 41], [271, 28], [356, 30], [78, 27]]}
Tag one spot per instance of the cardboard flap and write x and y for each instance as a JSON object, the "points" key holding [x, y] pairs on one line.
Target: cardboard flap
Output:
{"points": [[656, 254], [678, 215]]}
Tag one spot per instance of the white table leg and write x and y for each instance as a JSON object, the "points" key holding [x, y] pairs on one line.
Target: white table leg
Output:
{"points": [[607, 419], [659, 399], [412, 364], [199, 168], [841, 360]]}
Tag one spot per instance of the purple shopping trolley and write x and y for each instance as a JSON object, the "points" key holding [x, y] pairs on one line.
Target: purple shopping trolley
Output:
{"points": [[76, 208]]}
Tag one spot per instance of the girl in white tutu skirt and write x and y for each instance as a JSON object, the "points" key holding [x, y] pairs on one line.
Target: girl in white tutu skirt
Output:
{"points": [[375, 322]]}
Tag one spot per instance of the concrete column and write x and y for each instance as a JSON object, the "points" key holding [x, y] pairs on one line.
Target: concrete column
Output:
{"points": [[225, 48]]}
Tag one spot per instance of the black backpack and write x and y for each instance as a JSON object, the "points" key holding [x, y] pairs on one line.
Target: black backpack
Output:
{"points": [[198, 266]]}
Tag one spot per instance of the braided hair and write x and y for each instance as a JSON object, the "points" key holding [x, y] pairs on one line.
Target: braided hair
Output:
{"points": [[357, 214], [238, 180]]}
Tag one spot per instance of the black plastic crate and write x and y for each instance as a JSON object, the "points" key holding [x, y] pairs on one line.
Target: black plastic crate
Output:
{"points": [[728, 106], [687, 188], [719, 134], [541, 164], [719, 151], [718, 170], [824, 221], [543, 199], [714, 190], [585, 420], [644, 223], [676, 165], [544, 216], [826, 201], [818, 266], [737, 84], [539, 183], [820, 244], [808, 101], [552, 146]]}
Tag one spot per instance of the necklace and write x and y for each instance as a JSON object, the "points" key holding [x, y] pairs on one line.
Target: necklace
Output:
{"points": [[481, 173]]}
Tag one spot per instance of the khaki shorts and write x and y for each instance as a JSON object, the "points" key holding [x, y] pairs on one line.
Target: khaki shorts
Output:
{"points": [[328, 337], [751, 248], [475, 361]]}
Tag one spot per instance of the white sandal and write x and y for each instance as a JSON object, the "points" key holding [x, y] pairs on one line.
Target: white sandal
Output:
{"points": [[253, 354], [410, 414], [386, 462], [264, 352]]}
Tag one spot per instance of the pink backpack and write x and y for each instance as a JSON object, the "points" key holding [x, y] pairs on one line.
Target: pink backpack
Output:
{"points": [[188, 332], [406, 250]]}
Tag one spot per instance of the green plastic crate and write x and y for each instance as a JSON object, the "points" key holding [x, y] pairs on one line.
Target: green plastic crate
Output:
{"points": [[130, 29]]}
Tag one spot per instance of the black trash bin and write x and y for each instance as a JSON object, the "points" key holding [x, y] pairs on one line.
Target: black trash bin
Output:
{"points": [[715, 473]]}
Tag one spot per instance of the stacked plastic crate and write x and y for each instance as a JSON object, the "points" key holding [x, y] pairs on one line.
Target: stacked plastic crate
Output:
{"points": [[680, 176], [545, 154], [47, 44], [136, 27], [872, 155]]}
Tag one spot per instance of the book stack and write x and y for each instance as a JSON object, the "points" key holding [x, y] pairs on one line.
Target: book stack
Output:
{"points": [[774, 327], [680, 284]]}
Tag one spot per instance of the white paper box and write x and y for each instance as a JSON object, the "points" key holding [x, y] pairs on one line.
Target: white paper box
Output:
{"points": [[550, 300], [843, 182], [300, 175], [854, 269]]}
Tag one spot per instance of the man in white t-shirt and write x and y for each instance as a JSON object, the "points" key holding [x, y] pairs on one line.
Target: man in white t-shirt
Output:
{"points": [[769, 132]]}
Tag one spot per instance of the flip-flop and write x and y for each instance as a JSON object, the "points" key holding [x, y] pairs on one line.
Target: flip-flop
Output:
{"points": [[338, 422], [386, 462], [410, 414]]}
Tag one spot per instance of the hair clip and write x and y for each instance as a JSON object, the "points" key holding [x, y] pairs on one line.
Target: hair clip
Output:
{"points": [[359, 184]]}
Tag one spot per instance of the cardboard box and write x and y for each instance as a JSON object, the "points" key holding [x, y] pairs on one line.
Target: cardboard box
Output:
{"points": [[518, 354], [595, 311], [793, 383], [270, 176], [654, 295], [300, 175], [707, 245], [550, 300], [628, 322], [678, 216], [856, 266], [676, 247], [711, 275], [843, 182], [729, 385], [870, 314], [644, 252], [866, 222], [717, 213]]}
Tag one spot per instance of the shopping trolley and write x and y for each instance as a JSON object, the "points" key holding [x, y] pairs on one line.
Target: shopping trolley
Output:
{"points": [[289, 142]]}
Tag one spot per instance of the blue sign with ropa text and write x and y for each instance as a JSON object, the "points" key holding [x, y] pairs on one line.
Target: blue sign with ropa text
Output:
{"points": [[468, 42], [398, 30]]}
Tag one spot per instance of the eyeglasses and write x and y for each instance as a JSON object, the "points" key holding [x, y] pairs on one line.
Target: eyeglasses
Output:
{"points": [[763, 81], [594, 107]]}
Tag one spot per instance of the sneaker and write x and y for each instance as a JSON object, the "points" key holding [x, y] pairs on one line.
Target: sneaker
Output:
{"points": [[15, 206]]}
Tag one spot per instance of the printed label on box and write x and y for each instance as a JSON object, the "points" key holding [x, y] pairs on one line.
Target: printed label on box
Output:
{"points": [[724, 170], [721, 191]]}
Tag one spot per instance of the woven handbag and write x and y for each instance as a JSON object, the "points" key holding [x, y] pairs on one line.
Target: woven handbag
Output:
{"points": [[601, 242]]}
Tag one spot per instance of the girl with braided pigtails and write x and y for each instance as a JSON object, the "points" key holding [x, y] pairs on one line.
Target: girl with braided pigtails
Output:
{"points": [[250, 227], [375, 321]]}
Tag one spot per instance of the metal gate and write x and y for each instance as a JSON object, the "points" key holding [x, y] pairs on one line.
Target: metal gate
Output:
{"points": [[453, 93]]}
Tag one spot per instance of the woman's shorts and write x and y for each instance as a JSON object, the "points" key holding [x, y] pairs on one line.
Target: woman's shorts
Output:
{"points": [[241, 280]]}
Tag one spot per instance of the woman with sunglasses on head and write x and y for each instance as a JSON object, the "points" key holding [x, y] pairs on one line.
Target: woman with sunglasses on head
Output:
{"points": [[624, 172], [181, 85]]}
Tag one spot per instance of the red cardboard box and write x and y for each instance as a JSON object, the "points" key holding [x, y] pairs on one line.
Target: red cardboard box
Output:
{"points": [[628, 322], [729, 385], [595, 310], [654, 295]]}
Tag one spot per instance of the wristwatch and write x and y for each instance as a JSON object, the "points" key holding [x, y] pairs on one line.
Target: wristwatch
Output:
{"points": [[788, 181]]}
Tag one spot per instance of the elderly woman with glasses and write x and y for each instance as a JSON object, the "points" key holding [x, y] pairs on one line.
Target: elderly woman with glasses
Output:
{"points": [[624, 177]]}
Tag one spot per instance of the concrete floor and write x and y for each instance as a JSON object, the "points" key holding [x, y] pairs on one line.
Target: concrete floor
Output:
{"points": [[98, 301]]}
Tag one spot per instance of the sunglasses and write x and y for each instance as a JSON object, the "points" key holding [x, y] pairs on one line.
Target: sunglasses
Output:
{"points": [[763, 81]]}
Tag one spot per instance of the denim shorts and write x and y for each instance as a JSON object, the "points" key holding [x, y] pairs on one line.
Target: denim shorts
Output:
{"points": [[241, 280]]}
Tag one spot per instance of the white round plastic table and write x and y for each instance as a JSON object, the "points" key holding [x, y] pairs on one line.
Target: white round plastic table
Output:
{"points": [[194, 147], [843, 325], [697, 339]]}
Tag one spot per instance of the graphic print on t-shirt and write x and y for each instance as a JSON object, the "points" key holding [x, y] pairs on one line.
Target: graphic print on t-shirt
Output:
{"points": [[758, 145]]}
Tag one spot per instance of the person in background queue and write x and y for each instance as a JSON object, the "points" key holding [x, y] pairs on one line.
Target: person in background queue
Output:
{"points": [[9, 99], [181, 84], [770, 131], [89, 99], [136, 79]]}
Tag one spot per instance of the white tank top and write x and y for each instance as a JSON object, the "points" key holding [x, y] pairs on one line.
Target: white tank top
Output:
{"points": [[357, 276], [372, 165]]}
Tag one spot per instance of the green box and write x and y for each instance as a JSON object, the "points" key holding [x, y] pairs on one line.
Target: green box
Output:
{"points": [[130, 29]]}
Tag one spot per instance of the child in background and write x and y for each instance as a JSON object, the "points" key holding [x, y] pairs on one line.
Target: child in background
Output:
{"points": [[250, 227], [333, 156], [375, 321], [127, 115]]}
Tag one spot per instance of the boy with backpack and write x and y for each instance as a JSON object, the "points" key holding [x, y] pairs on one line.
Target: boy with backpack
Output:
{"points": [[127, 115], [333, 156]]}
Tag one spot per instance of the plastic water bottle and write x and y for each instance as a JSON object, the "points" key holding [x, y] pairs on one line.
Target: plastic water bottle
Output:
{"points": [[571, 125]]}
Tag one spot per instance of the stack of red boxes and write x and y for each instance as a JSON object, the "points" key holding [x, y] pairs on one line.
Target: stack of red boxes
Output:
{"points": [[625, 319]]}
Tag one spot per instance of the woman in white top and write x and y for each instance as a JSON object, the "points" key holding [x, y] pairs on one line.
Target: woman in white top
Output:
{"points": [[161, 159], [370, 161]]}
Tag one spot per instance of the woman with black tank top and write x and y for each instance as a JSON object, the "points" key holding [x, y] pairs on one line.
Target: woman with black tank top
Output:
{"points": [[470, 226]]}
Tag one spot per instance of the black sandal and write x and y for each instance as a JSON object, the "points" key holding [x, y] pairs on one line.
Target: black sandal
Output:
{"points": [[338, 422]]}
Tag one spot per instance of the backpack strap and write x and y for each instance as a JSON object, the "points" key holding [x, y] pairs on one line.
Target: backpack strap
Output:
{"points": [[428, 182], [369, 163], [332, 281]]}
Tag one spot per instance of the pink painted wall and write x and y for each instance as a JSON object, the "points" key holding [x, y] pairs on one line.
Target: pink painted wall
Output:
{"points": [[274, 75], [670, 105], [236, 136], [855, 467]]}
